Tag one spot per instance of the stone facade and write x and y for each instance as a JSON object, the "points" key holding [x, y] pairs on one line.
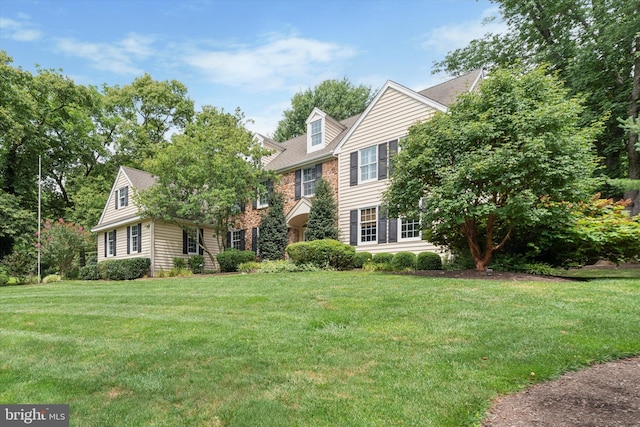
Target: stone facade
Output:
{"points": [[250, 219]]}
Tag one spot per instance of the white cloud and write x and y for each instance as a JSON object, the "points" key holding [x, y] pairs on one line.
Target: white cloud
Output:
{"points": [[272, 65], [21, 30], [454, 36], [120, 57]]}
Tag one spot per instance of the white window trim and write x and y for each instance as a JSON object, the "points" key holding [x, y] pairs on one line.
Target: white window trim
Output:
{"points": [[407, 239], [134, 248], [303, 181], [262, 200], [192, 241], [122, 197], [361, 164], [111, 244], [375, 221], [318, 133], [234, 240], [316, 115]]}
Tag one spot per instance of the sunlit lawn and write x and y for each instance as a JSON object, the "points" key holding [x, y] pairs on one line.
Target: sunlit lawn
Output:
{"points": [[302, 349]]}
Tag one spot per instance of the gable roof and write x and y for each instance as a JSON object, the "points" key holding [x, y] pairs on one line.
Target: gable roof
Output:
{"points": [[140, 180], [447, 92]]}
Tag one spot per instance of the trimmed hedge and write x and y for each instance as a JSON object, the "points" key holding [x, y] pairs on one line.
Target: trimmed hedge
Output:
{"points": [[382, 258], [124, 269], [89, 272], [361, 259], [404, 261], [323, 254], [230, 259], [428, 261]]}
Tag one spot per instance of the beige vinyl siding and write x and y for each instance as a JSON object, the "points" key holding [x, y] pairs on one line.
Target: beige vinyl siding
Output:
{"points": [[121, 242], [389, 119], [111, 214], [168, 245], [331, 131]]}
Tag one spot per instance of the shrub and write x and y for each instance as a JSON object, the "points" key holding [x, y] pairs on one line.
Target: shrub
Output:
{"points": [[196, 264], [89, 272], [277, 266], [4, 276], [230, 259], [174, 272], [179, 263], [382, 258], [361, 259], [323, 254], [125, 269], [52, 278], [377, 266], [404, 261], [428, 261]]}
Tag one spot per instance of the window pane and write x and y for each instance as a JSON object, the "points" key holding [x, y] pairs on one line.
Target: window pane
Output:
{"points": [[309, 181], [410, 228], [316, 132], [368, 164], [368, 225]]}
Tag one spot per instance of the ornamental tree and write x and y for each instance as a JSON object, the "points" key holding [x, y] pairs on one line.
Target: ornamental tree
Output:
{"points": [[62, 243], [323, 216], [273, 238], [495, 162]]}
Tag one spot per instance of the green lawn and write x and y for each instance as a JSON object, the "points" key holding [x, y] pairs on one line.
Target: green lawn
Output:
{"points": [[305, 349]]}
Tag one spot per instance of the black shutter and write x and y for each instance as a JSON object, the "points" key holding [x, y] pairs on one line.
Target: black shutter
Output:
{"points": [[105, 243], [126, 196], [128, 240], [298, 184], [254, 203], [393, 150], [353, 169], [115, 246], [185, 238], [139, 237], [382, 161], [382, 226], [201, 242], [228, 239], [353, 227], [318, 171], [242, 207], [269, 191], [254, 240], [242, 240], [116, 197], [393, 230]]}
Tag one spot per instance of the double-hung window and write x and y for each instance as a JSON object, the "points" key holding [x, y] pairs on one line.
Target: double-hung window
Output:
{"points": [[409, 228], [134, 239], [111, 243], [316, 132], [369, 164], [368, 225], [123, 197], [309, 181], [236, 239], [192, 241]]}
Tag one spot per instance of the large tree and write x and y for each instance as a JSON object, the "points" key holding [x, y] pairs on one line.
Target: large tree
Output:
{"points": [[272, 240], [497, 161], [594, 46], [323, 216], [206, 174], [340, 99]]}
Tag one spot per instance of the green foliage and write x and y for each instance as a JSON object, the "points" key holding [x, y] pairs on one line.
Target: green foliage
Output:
{"points": [[323, 216], [495, 163], [174, 272], [428, 261], [377, 266], [22, 262], [62, 243], [4, 276], [196, 264], [325, 253], [52, 278], [361, 259], [124, 269], [90, 272], [16, 222], [382, 258], [404, 261], [230, 259], [338, 98], [179, 263], [206, 173], [276, 266], [272, 240]]}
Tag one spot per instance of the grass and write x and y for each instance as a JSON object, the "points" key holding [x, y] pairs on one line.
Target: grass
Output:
{"points": [[599, 273], [303, 349]]}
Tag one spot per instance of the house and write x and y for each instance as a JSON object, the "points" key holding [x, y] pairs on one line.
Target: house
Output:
{"points": [[353, 155], [124, 233]]}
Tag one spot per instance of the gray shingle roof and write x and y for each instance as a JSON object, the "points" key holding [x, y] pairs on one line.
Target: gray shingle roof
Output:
{"points": [[447, 92], [140, 180]]}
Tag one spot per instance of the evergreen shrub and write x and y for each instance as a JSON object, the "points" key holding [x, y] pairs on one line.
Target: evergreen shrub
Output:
{"points": [[326, 253], [428, 261]]}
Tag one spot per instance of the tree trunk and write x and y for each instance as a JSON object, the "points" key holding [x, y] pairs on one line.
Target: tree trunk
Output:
{"points": [[632, 152]]}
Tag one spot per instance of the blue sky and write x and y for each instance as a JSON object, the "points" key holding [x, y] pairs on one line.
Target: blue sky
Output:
{"points": [[252, 54]]}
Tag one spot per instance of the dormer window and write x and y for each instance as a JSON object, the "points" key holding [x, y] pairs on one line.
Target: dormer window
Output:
{"points": [[316, 132]]}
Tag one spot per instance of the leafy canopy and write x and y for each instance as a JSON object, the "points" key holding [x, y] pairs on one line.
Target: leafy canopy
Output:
{"points": [[494, 162], [340, 99]]}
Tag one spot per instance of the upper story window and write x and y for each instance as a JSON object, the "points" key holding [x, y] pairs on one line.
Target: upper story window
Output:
{"points": [[316, 132], [262, 200], [368, 164], [122, 197], [309, 181]]}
